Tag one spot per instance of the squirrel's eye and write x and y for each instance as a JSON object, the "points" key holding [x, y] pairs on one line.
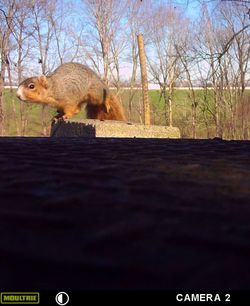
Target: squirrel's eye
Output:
{"points": [[31, 86]]}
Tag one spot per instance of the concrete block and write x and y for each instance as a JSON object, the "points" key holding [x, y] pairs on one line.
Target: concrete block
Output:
{"points": [[95, 128]]}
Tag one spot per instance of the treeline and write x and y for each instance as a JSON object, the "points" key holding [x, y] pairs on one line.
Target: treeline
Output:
{"points": [[209, 48]]}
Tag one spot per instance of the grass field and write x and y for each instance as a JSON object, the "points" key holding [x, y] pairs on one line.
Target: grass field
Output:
{"points": [[32, 120]]}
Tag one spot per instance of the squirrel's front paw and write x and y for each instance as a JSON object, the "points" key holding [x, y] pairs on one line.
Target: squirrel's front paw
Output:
{"points": [[64, 117], [57, 119]]}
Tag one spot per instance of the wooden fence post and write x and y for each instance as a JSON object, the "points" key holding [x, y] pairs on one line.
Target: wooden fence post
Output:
{"points": [[144, 79]]}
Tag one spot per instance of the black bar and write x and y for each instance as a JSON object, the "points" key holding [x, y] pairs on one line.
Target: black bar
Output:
{"points": [[154, 298]]}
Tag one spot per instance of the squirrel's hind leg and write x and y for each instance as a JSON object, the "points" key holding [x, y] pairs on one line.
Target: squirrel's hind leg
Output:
{"points": [[58, 116], [66, 113], [70, 111]]}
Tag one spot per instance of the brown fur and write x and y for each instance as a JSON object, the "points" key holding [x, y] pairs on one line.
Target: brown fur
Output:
{"points": [[112, 110], [67, 88]]}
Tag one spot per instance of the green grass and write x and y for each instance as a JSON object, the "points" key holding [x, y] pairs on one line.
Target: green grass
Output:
{"points": [[14, 110]]}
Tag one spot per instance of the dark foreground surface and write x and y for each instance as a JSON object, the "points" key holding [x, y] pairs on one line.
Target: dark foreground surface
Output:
{"points": [[160, 214]]}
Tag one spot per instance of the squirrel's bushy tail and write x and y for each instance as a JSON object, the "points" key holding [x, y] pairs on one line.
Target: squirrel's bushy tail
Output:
{"points": [[111, 109], [114, 109]]}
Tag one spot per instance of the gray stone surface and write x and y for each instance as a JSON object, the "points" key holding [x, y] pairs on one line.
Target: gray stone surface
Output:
{"points": [[96, 128]]}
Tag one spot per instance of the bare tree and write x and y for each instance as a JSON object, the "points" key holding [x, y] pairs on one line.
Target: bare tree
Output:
{"points": [[163, 59], [43, 12], [227, 53], [21, 53], [240, 54], [6, 23], [104, 20], [187, 61]]}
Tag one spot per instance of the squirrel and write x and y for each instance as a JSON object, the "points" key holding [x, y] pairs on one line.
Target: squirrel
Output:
{"points": [[67, 88]]}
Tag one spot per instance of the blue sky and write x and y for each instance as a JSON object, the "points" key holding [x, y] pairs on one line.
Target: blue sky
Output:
{"points": [[190, 7]]}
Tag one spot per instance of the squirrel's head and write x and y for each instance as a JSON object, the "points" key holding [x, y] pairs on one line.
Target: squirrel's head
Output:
{"points": [[33, 89]]}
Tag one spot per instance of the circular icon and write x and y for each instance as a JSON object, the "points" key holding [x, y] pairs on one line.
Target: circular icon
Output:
{"points": [[62, 298]]}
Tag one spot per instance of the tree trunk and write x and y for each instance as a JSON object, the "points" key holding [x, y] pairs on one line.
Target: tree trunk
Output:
{"points": [[144, 79], [1, 105], [44, 123], [166, 103], [170, 97], [194, 119]]}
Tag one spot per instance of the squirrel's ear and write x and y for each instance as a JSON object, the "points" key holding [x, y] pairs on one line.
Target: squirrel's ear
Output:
{"points": [[43, 81]]}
